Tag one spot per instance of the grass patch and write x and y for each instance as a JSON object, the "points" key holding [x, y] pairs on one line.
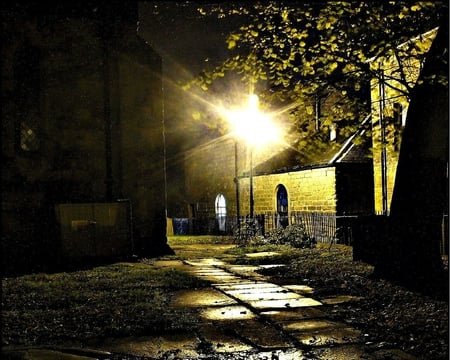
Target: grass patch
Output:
{"points": [[287, 254], [186, 247], [116, 300], [199, 239], [324, 267]]}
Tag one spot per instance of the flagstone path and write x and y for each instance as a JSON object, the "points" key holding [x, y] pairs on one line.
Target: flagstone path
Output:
{"points": [[241, 316], [243, 313]]}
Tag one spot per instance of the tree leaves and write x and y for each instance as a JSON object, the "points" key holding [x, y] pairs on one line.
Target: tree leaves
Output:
{"points": [[319, 45]]}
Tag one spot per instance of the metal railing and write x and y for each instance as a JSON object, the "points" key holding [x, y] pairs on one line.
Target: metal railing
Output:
{"points": [[323, 227]]}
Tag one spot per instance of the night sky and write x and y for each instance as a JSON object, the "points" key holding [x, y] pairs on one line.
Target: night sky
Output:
{"points": [[187, 41]]}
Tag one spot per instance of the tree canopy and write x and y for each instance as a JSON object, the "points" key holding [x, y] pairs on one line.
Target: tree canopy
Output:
{"points": [[295, 51]]}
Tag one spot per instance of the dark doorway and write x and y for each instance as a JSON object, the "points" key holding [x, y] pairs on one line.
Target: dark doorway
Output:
{"points": [[282, 206]]}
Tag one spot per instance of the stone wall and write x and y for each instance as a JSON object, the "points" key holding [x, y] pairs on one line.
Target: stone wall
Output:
{"points": [[209, 171], [311, 190], [345, 189]]}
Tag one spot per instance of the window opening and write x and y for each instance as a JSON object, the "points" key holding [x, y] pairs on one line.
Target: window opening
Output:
{"points": [[332, 132], [221, 211]]}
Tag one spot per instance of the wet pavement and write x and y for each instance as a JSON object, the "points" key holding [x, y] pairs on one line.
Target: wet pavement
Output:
{"points": [[242, 316]]}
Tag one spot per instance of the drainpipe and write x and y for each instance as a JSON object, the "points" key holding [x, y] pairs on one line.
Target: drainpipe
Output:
{"points": [[107, 116], [236, 181], [317, 112], [383, 141], [252, 202]]}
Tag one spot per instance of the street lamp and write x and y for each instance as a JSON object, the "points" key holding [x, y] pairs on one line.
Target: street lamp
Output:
{"points": [[256, 129]]}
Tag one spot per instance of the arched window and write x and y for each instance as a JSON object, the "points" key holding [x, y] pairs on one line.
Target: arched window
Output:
{"points": [[282, 206], [221, 211]]}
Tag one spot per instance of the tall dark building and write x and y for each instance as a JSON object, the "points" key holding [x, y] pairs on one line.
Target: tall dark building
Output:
{"points": [[82, 118]]}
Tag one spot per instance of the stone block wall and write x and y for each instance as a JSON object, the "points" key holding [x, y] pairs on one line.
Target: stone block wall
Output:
{"points": [[209, 171], [311, 190]]}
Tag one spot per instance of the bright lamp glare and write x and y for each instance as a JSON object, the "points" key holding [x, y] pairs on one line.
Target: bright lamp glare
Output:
{"points": [[255, 131], [254, 127]]}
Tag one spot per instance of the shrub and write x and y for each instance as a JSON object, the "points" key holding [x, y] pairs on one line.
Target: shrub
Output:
{"points": [[275, 236], [294, 235], [247, 232]]}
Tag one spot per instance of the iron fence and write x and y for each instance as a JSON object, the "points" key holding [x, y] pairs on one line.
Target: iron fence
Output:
{"points": [[323, 227]]}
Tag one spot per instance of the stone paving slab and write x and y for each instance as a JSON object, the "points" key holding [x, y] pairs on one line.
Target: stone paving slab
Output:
{"points": [[301, 289], [201, 297], [207, 270], [227, 313], [301, 313], [219, 278], [283, 304], [263, 295], [311, 325], [244, 269], [220, 341], [205, 261], [245, 284], [256, 290], [328, 336], [284, 354], [262, 335], [271, 266], [155, 346], [240, 319], [262, 254], [341, 352]]}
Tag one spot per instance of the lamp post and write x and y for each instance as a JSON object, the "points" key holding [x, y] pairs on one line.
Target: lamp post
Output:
{"points": [[256, 129], [252, 203], [236, 182]]}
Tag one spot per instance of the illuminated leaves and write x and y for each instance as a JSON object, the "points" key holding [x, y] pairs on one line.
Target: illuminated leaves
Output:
{"points": [[253, 33], [302, 49], [331, 67], [232, 40]]}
